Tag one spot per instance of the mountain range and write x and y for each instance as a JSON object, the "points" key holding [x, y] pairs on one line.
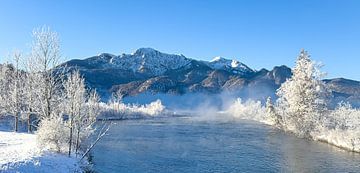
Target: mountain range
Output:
{"points": [[150, 71]]}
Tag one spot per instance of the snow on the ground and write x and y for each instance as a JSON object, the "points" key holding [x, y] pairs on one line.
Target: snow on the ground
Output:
{"points": [[20, 153]]}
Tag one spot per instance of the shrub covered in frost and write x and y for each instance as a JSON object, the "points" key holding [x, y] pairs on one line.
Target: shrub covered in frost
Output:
{"points": [[118, 110], [52, 134], [341, 127], [247, 110]]}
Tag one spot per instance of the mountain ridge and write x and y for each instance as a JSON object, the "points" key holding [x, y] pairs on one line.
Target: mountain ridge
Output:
{"points": [[150, 71]]}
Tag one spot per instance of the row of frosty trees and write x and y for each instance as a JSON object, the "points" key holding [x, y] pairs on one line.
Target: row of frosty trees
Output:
{"points": [[58, 105], [302, 108]]}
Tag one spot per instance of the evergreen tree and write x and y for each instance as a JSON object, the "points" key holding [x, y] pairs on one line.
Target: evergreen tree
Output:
{"points": [[302, 98]]}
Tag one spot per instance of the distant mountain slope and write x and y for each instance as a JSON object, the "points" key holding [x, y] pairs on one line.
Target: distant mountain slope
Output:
{"points": [[146, 69], [150, 71], [345, 90]]}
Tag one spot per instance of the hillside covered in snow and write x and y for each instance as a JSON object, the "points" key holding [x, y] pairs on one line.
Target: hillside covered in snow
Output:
{"points": [[150, 71]]}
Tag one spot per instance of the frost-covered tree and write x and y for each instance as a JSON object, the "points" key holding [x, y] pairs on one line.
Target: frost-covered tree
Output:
{"points": [[116, 101], [81, 113], [12, 94], [93, 106], [75, 101], [345, 120], [302, 98], [84, 123], [117, 96], [45, 57], [274, 117], [81, 109], [65, 112], [16, 91], [7, 71], [32, 93], [344, 117]]}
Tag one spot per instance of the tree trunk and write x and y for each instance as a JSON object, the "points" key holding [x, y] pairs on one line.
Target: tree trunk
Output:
{"points": [[16, 128], [29, 123], [77, 141], [71, 131]]}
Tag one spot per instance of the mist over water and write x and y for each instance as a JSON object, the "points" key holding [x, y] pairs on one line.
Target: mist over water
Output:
{"points": [[194, 144], [203, 103]]}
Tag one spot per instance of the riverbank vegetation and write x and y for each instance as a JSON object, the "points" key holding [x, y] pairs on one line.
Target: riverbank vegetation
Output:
{"points": [[302, 109]]}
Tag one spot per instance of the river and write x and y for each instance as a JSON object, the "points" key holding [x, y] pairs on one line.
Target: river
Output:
{"points": [[191, 144]]}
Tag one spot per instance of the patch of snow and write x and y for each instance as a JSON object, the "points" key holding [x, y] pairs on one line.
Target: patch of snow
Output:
{"points": [[19, 152]]}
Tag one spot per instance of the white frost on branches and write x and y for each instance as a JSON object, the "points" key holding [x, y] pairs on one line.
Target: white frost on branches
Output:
{"points": [[302, 109], [119, 110], [302, 97], [247, 110]]}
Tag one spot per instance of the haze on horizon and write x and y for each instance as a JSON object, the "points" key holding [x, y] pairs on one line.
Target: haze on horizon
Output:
{"points": [[261, 34]]}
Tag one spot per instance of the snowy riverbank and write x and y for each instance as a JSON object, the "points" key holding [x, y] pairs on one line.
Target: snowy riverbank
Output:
{"points": [[20, 153], [340, 127]]}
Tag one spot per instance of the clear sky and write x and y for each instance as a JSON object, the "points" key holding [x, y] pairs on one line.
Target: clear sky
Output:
{"points": [[259, 33]]}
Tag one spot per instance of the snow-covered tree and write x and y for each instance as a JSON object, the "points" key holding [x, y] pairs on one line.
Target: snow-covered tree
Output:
{"points": [[93, 106], [45, 57], [274, 117], [65, 112], [75, 101], [117, 96], [116, 101], [16, 90], [32, 93], [12, 94], [6, 74], [344, 117], [302, 98], [81, 109], [84, 123]]}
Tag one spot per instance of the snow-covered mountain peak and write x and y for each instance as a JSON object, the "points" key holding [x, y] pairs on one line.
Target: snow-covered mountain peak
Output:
{"points": [[145, 51], [230, 65], [151, 62], [106, 56], [217, 59], [221, 62], [144, 60]]}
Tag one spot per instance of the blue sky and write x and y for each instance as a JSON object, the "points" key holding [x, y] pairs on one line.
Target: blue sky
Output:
{"points": [[259, 33]]}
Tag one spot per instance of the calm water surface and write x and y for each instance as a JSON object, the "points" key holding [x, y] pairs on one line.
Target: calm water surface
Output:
{"points": [[197, 145]]}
